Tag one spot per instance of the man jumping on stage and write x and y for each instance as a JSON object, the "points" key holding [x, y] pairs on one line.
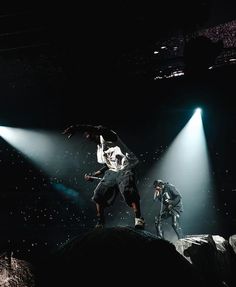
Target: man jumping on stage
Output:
{"points": [[117, 172]]}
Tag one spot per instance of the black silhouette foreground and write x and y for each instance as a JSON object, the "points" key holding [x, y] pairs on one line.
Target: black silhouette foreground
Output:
{"points": [[122, 255]]}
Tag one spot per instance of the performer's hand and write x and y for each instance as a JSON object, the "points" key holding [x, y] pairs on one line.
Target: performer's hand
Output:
{"points": [[169, 206], [87, 177], [69, 131], [156, 194]]}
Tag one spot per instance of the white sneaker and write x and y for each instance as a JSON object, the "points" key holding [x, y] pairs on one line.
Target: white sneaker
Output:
{"points": [[139, 223]]}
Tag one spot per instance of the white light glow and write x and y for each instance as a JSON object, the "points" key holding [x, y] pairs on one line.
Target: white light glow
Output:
{"points": [[50, 151], [186, 164]]}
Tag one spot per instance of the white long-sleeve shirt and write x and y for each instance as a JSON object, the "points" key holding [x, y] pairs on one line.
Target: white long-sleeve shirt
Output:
{"points": [[111, 155]]}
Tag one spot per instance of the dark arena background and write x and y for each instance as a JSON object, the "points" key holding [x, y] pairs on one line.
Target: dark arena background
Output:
{"points": [[140, 69]]}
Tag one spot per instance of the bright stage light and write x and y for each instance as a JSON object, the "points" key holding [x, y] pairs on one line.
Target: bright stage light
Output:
{"points": [[198, 110], [61, 159], [6, 132], [50, 151]]}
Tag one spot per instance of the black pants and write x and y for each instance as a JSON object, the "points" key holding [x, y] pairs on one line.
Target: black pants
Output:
{"points": [[175, 223], [113, 182]]}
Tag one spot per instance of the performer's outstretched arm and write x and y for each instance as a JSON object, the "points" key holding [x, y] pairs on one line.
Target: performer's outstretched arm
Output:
{"points": [[107, 134]]}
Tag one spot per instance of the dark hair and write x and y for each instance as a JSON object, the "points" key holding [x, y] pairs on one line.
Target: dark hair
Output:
{"points": [[158, 182]]}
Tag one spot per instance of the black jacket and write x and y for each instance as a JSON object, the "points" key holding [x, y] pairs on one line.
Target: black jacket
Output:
{"points": [[170, 196]]}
